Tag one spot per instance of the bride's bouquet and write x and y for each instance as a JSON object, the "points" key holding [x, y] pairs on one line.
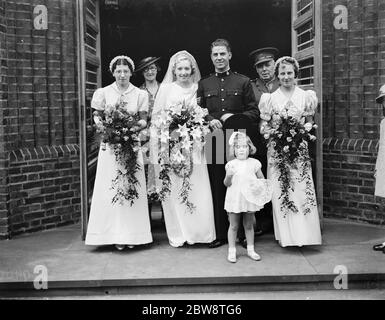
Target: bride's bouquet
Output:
{"points": [[289, 137], [181, 128], [117, 128]]}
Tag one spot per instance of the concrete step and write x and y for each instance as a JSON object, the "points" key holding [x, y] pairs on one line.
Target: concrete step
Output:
{"points": [[193, 285]]}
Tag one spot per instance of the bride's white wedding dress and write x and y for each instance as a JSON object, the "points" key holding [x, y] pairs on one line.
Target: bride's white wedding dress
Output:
{"points": [[181, 225]]}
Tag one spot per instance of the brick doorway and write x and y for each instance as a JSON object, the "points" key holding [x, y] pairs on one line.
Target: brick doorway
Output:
{"points": [[154, 28]]}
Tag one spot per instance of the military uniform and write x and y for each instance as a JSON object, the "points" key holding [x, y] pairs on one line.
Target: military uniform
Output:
{"points": [[222, 93], [227, 92], [259, 87], [264, 220]]}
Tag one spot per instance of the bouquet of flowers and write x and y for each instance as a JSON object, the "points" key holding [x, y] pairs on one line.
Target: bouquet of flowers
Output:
{"points": [[181, 128], [117, 127], [289, 138]]}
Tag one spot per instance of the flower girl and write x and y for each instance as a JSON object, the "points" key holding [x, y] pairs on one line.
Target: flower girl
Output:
{"points": [[247, 192]]}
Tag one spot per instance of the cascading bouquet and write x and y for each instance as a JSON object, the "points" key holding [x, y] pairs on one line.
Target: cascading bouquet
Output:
{"points": [[181, 129], [289, 138], [115, 125]]}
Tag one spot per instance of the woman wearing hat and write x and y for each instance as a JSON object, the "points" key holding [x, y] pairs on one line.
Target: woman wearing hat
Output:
{"points": [[121, 224], [149, 68]]}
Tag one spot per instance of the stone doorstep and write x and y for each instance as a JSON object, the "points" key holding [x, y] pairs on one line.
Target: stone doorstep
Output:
{"points": [[191, 285]]}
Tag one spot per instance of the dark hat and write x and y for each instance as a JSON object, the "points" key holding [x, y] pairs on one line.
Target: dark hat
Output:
{"points": [[263, 55], [381, 94], [145, 62]]}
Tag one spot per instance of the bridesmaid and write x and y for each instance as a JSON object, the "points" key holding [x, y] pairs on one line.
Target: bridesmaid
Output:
{"points": [[119, 224], [298, 224]]}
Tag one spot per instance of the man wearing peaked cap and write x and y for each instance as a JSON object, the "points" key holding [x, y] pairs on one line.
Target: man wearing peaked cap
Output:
{"points": [[264, 61]]}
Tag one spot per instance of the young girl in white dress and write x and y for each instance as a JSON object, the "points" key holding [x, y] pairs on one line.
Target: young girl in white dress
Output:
{"points": [[247, 192]]}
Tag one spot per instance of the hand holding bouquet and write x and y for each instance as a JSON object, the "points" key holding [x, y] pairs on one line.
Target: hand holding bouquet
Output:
{"points": [[289, 137], [119, 129], [181, 128]]}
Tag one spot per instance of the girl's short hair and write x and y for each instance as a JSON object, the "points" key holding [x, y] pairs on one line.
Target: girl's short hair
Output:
{"points": [[236, 137]]}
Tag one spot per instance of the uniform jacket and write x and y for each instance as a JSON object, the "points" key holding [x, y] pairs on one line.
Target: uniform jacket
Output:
{"points": [[259, 87], [228, 92]]}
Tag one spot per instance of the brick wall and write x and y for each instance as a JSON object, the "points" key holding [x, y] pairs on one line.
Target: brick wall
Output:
{"points": [[348, 180], [42, 75], [3, 106], [38, 118], [353, 71], [44, 188]]}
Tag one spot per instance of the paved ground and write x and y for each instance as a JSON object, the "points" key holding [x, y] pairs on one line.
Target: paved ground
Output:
{"points": [[347, 247]]}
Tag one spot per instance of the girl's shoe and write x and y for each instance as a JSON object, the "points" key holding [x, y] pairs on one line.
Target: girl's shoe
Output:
{"points": [[120, 247], [232, 256], [253, 255], [130, 246], [379, 247]]}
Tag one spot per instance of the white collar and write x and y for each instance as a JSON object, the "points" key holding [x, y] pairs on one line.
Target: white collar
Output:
{"points": [[128, 90], [295, 92]]}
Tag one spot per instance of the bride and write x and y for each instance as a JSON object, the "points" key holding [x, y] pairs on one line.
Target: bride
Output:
{"points": [[179, 86]]}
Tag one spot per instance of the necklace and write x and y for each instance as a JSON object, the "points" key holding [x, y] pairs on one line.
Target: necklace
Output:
{"points": [[152, 88]]}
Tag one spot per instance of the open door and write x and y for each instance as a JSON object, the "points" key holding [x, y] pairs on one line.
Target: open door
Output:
{"points": [[89, 80], [307, 49]]}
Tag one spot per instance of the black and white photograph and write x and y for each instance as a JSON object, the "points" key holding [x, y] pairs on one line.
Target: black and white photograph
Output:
{"points": [[211, 152]]}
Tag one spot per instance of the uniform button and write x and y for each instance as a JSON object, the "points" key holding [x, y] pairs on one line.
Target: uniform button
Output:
{"points": [[223, 99], [222, 79], [222, 89], [223, 109]]}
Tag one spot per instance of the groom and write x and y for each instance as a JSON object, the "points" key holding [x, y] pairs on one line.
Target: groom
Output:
{"points": [[229, 97]]}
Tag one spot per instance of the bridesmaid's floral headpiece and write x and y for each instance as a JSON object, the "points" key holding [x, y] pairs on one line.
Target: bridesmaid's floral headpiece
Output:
{"points": [[128, 59]]}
